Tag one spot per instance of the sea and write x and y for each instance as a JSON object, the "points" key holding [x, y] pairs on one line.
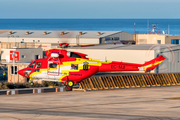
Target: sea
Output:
{"points": [[139, 26]]}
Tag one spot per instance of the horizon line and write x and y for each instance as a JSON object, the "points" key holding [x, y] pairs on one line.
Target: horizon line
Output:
{"points": [[89, 18]]}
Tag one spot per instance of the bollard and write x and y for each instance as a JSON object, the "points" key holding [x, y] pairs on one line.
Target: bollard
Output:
{"points": [[57, 89], [62, 89], [14, 92], [35, 91], [8, 92], [42, 90], [39, 90]]}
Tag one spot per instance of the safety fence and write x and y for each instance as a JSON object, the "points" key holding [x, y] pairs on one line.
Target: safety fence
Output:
{"points": [[127, 81]]}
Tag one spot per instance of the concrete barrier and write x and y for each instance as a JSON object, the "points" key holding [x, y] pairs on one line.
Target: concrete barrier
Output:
{"points": [[31, 90]]}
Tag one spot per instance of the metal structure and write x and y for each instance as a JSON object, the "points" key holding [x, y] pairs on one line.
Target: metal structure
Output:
{"points": [[154, 30], [112, 82]]}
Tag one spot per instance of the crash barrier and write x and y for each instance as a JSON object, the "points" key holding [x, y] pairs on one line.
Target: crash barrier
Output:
{"points": [[127, 81], [31, 90]]}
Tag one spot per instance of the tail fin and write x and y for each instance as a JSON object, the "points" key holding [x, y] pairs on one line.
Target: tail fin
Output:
{"points": [[152, 64]]}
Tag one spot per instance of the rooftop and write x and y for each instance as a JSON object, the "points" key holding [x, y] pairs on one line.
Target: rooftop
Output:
{"points": [[56, 34], [129, 47]]}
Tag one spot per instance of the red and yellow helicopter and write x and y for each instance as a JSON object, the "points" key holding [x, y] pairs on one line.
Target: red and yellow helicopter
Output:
{"points": [[73, 67]]}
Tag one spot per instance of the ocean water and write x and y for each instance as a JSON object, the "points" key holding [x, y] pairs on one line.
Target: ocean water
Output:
{"points": [[128, 25]]}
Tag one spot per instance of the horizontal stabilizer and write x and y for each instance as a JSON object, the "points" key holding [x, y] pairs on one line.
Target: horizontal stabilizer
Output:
{"points": [[152, 64]]}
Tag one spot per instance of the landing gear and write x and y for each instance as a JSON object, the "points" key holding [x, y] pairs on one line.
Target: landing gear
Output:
{"points": [[30, 82], [69, 85], [68, 88]]}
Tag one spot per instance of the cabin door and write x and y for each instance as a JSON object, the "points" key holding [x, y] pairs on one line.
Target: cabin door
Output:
{"points": [[53, 68]]}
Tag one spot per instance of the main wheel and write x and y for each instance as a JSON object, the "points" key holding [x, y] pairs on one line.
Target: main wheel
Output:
{"points": [[70, 83]]}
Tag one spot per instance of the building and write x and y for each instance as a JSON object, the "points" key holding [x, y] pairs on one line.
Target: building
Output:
{"points": [[53, 38], [25, 55], [13, 76], [156, 39]]}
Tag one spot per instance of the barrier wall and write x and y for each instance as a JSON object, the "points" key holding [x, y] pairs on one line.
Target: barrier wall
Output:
{"points": [[31, 90], [112, 82]]}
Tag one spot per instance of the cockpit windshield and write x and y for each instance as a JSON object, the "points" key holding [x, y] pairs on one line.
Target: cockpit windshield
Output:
{"points": [[38, 65], [32, 65]]}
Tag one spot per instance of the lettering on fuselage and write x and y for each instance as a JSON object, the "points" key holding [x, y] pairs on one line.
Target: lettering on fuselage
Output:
{"points": [[76, 74], [53, 72], [56, 52], [117, 67], [85, 66]]}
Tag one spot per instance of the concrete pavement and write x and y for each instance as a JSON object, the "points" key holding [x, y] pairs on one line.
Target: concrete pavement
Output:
{"points": [[157, 103]]}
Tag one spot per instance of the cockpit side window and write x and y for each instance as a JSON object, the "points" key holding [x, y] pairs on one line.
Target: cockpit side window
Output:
{"points": [[32, 65], [38, 65], [72, 54]]}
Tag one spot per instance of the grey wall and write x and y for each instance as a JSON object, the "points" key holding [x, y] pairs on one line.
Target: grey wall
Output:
{"points": [[122, 36], [172, 62], [29, 54]]}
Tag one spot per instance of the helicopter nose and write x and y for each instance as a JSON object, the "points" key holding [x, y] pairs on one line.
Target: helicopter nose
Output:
{"points": [[21, 72]]}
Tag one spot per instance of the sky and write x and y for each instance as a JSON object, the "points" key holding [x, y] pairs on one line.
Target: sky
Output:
{"points": [[89, 9]]}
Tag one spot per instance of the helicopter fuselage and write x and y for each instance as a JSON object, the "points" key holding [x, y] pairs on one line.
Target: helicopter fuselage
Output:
{"points": [[63, 66]]}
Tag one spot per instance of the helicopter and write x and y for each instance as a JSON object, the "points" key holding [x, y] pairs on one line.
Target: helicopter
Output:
{"points": [[71, 68]]}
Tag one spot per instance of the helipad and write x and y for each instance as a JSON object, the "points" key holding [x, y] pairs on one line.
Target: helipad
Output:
{"points": [[157, 103]]}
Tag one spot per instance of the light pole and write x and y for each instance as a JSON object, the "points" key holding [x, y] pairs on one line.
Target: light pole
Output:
{"points": [[13, 55], [15, 40], [8, 41], [134, 27], [77, 40], [12, 36]]}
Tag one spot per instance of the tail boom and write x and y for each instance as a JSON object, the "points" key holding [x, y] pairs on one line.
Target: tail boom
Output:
{"points": [[122, 66]]}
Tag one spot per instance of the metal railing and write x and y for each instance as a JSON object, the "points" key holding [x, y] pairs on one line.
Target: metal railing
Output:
{"points": [[127, 81]]}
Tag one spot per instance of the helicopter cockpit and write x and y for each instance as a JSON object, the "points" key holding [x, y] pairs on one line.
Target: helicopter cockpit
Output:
{"points": [[31, 65]]}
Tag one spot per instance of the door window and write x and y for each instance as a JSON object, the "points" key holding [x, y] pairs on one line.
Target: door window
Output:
{"points": [[13, 70], [53, 65], [53, 68]]}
